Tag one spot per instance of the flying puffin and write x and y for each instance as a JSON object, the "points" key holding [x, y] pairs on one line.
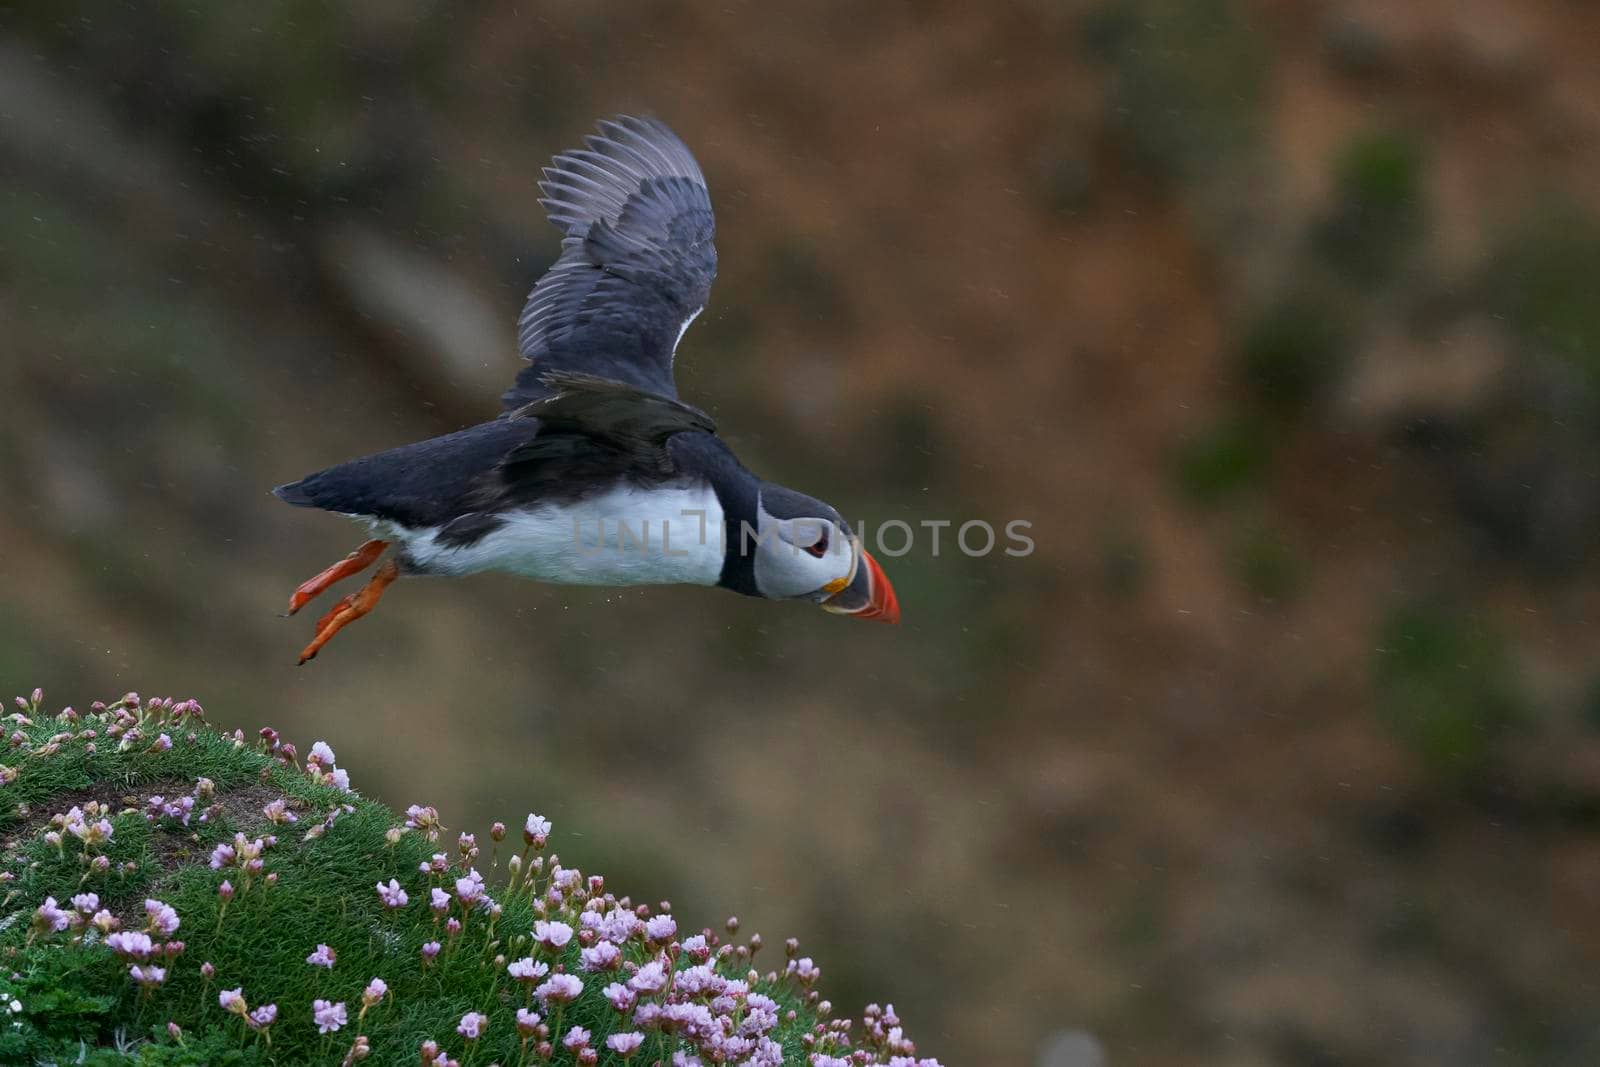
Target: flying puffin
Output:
{"points": [[595, 473]]}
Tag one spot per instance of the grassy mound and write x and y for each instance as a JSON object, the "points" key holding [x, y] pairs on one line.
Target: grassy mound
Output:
{"points": [[174, 894]]}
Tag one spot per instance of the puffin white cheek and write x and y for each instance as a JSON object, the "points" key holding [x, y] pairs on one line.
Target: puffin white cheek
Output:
{"points": [[785, 571], [841, 568]]}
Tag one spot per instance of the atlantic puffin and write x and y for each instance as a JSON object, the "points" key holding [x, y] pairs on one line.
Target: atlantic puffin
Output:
{"points": [[595, 473]]}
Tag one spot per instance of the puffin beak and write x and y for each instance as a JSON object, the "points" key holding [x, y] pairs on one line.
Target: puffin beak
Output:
{"points": [[868, 594]]}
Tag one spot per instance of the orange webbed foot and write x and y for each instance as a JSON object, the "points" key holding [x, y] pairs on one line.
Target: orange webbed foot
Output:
{"points": [[350, 608], [354, 563]]}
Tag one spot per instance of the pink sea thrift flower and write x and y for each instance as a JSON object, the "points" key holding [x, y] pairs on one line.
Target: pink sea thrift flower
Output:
{"points": [[621, 997], [429, 951], [328, 1016], [472, 1025], [576, 1038], [660, 928], [321, 755], [536, 831], [232, 1000], [88, 903], [438, 900], [651, 978], [526, 970], [263, 1017], [619, 925], [131, 944], [147, 975], [91, 834], [376, 990], [49, 918], [626, 1044], [604, 956], [469, 890], [559, 989], [278, 813], [552, 935], [425, 818], [392, 895], [700, 979], [163, 919], [323, 957]]}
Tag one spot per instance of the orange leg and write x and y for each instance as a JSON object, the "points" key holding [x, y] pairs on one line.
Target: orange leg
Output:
{"points": [[354, 563], [351, 608]]}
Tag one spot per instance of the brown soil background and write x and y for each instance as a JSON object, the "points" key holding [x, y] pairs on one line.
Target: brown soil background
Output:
{"points": [[1282, 748]]}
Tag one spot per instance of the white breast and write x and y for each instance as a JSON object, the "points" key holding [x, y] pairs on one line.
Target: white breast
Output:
{"points": [[626, 536]]}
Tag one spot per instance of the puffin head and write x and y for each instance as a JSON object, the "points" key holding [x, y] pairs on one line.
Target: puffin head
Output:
{"points": [[802, 549]]}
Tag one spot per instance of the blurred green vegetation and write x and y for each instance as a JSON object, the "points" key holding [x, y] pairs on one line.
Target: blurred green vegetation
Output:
{"points": [[1224, 461], [1294, 349], [1187, 78], [1266, 564], [1447, 687], [1378, 213], [1543, 278]]}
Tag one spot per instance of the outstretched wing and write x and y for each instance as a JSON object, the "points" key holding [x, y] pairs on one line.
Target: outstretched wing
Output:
{"points": [[636, 264]]}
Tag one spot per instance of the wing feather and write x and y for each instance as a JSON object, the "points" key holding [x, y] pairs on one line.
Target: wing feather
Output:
{"points": [[636, 264]]}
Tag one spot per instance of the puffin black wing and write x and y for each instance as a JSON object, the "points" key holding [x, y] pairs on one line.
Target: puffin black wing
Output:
{"points": [[636, 264], [627, 420]]}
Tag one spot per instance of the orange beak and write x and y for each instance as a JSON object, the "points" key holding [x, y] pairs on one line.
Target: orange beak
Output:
{"points": [[868, 596]]}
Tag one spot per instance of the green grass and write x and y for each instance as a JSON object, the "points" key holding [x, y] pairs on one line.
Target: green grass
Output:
{"points": [[71, 999]]}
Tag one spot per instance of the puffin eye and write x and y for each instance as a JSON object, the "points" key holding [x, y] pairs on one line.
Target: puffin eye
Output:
{"points": [[820, 549]]}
